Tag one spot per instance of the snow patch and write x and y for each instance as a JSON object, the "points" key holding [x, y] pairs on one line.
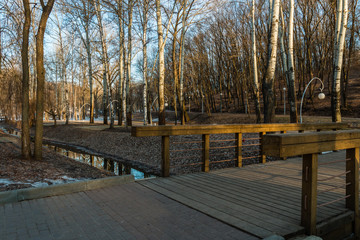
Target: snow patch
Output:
{"points": [[44, 183]]}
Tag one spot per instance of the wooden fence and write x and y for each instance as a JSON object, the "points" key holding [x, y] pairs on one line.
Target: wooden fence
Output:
{"points": [[237, 129], [310, 145]]}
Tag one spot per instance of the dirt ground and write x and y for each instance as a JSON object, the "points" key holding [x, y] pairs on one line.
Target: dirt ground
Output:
{"points": [[16, 172]]}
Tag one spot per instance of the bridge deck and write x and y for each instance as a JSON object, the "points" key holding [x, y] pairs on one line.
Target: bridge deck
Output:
{"points": [[260, 199]]}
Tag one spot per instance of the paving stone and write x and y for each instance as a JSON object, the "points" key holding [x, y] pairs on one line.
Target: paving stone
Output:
{"points": [[128, 211]]}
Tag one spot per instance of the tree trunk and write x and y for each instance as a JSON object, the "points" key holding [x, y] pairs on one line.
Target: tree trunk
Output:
{"points": [[291, 67], [161, 65], [25, 128], [255, 69], [182, 53], [46, 10], [104, 59], [342, 16], [145, 22], [268, 82], [128, 67]]}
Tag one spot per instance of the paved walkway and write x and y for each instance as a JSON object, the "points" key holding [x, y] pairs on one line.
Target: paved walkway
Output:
{"points": [[128, 211]]}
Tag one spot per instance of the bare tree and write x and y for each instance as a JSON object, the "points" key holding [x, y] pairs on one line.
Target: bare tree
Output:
{"points": [[255, 68], [269, 77], [161, 46], [25, 128], [104, 59], [46, 10], [340, 31]]}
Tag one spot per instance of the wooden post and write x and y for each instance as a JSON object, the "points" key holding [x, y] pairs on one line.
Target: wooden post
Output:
{"points": [[283, 158], [352, 203], [165, 156], [301, 131], [262, 155], [238, 149], [309, 193], [205, 153]]}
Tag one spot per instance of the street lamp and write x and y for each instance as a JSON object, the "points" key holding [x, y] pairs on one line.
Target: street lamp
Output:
{"points": [[321, 95]]}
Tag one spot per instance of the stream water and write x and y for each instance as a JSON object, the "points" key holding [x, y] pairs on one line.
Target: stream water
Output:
{"points": [[97, 161]]}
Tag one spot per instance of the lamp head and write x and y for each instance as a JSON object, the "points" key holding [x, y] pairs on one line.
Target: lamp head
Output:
{"points": [[321, 96]]}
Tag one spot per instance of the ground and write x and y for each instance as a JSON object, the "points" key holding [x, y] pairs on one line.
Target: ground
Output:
{"points": [[16, 172]]}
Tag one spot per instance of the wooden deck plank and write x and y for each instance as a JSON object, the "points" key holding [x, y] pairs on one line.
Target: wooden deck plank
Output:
{"points": [[270, 192], [233, 221], [236, 210], [260, 199], [278, 190], [253, 203]]}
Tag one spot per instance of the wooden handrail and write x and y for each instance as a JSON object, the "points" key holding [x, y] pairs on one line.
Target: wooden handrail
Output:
{"points": [[145, 131], [280, 145], [309, 145], [238, 129]]}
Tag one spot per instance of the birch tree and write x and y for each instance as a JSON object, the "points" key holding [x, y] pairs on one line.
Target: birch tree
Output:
{"points": [[340, 31], [128, 64], [269, 77], [291, 67], [46, 10], [144, 23], [255, 69], [161, 76]]}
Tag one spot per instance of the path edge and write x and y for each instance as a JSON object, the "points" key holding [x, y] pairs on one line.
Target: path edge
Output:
{"points": [[19, 195]]}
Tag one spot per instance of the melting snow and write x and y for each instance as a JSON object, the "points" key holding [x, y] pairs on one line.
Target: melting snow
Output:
{"points": [[46, 182]]}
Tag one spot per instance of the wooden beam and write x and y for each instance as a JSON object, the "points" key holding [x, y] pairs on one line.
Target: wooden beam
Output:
{"points": [[143, 131], [262, 153], [286, 145], [309, 193], [238, 149], [352, 178], [206, 152]]}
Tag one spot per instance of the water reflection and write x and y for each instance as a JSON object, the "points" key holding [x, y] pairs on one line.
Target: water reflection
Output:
{"points": [[102, 163]]}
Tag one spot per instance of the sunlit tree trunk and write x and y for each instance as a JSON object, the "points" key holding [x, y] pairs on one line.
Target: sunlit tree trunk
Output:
{"points": [[340, 31], [269, 77], [25, 128], [291, 67], [46, 10], [161, 65], [255, 68]]}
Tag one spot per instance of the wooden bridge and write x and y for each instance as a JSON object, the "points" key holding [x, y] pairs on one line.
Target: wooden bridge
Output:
{"points": [[315, 194]]}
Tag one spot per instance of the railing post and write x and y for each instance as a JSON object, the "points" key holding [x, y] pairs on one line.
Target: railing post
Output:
{"points": [[165, 156], [283, 132], [262, 155], [206, 152], [309, 193], [238, 149], [352, 178]]}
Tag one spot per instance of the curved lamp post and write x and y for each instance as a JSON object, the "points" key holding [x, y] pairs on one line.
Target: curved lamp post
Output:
{"points": [[321, 95]]}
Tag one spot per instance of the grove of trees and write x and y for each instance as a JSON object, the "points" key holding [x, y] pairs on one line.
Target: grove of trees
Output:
{"points": [[108, 58]]}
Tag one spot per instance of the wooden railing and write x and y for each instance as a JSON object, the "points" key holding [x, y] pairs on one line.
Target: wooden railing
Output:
{"points": [[204, 143], [310, 145]]}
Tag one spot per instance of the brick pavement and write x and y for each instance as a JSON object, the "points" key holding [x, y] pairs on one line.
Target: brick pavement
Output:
{"points": [[128, 211]]}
